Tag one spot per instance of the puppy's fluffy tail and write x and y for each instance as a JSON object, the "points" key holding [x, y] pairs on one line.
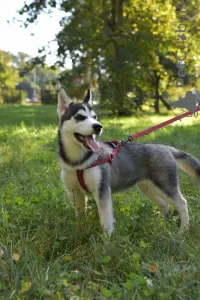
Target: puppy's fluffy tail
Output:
{"points": [[187, 162]]}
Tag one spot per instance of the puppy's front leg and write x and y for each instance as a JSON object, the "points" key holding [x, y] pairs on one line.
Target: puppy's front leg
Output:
{"points": [[68, 179], [79, 205], [104, 203], [79, 201]]}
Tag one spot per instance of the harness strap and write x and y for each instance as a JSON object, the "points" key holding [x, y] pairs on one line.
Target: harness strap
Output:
{"points": [[108, 159], [80, 177]]}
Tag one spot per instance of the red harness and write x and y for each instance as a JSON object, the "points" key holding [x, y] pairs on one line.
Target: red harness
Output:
{"points": [[108, 159], [117, 144]]}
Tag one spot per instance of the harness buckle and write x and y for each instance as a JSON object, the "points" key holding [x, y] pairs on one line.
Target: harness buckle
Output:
{"points": [[130, 139]]}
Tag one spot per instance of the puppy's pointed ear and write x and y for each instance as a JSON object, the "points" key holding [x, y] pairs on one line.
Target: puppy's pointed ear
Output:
{"points": [[88, 97], [63, 101]]}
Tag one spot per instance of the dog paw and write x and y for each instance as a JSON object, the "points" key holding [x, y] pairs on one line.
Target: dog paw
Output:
{"points": [[184, 229]]}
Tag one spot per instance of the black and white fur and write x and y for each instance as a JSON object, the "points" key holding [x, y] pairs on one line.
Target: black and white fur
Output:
{"points": [[152, 167]]}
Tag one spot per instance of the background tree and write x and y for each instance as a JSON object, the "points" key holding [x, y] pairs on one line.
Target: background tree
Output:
{"points": [[9, 77], [126, 46]]}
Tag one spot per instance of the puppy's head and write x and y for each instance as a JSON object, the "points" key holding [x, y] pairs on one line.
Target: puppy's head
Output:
{"points": [[79, 121]]}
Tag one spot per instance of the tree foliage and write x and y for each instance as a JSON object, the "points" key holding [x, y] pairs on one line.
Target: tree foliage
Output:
{"points": [[128, 47], [8, 72], [8, 78]]}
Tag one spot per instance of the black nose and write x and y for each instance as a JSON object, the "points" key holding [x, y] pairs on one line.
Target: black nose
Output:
{"points": [[97, 127]]}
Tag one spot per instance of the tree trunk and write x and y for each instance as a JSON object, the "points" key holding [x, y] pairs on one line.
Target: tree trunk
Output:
{"points": [[116, 67], [157, 96], [167, 105], [113, 19], [100, 86], [156, 106]]}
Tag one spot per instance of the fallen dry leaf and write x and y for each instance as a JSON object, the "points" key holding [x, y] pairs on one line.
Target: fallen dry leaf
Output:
{"points": [[153, 268], [15, 256], [68, 257]]}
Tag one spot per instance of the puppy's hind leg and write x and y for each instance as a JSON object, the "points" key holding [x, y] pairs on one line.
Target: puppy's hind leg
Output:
{"points": [[172, 197], [152, 193], [181, 205], [175, 198], [104, 203]]}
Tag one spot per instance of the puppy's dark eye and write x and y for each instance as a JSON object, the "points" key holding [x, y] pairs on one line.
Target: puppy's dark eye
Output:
{"points": [[80, 118], [94, 117]]}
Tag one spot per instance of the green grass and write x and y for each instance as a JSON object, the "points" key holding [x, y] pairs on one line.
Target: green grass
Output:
{"points": [[146, 258]]}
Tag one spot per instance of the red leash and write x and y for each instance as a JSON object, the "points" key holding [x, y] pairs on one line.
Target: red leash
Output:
{"points": [[110, 157], [163, 124]]}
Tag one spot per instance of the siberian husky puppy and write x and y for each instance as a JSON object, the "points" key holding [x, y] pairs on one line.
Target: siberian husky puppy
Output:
{"points": [[152, 167]]}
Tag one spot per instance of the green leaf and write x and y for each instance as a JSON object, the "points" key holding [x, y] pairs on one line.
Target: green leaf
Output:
{"points": [[106, 259], [143, 244], [106, 292], [129, 284]]}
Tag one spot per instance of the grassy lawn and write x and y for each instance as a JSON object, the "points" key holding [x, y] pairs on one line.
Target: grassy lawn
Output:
{"points": [[45, 256]]}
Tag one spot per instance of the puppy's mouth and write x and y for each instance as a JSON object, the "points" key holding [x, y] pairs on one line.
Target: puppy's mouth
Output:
{"points": [[87, 141]]}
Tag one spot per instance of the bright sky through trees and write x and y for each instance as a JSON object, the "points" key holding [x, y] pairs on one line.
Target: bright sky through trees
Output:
{"points": [[19, 39]]}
